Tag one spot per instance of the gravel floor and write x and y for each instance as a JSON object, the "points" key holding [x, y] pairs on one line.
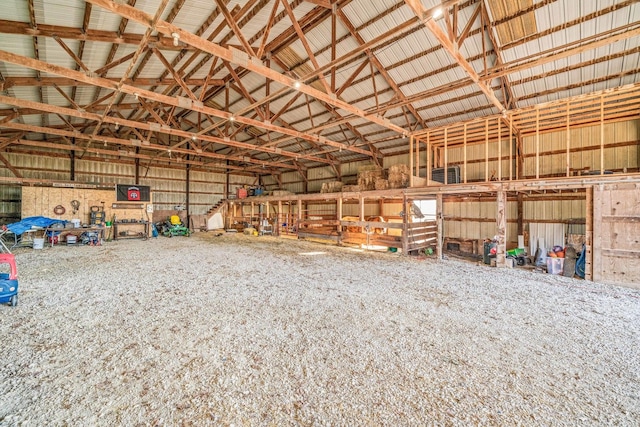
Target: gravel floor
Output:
{"points": [[259, 331]]}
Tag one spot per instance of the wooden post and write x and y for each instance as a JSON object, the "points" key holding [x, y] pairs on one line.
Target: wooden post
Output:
{"points": [[440, 222], [299, 214], [72, 165], [446, 157], [520, 213], [405, 228], [537, 143], [519, 158], [267, 209], [486, 149], [279, 217], [590, 238], [501, 226], [510, 148], [568, 166], [499, 149], [225, 194], [601, 134], [429, 167], [417, 157], [251, 218], [596, 234], [187, 191], [464, 154], [411, 161], [339, 215]]}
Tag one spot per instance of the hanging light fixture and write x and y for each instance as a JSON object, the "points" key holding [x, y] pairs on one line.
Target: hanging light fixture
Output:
{"points": [[176, 39]]}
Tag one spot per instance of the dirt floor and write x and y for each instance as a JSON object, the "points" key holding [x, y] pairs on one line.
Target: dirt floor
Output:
{"points": [[260, 331]]}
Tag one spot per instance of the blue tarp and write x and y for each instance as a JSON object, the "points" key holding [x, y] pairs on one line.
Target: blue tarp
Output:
{"points": [[33, 221]]}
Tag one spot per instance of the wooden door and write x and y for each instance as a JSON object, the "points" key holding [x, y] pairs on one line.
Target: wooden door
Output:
{"points": [[616, 234]]}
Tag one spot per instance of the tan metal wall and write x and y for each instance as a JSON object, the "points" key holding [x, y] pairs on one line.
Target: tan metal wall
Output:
{"points": [[10, 203], [585, 149], [167, 184]]}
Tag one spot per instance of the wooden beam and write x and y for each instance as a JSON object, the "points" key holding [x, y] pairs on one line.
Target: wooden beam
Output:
{"points": [[73, 33], [596, 228], [440, 221], [125, 143], [9, 166], [322, 3], [231, 22], [174, 101], [238, 58], [176, 76], [267, 29], [71, 53], [560, 52], [449, 46], [303, 39], [10, 82], [501, 228]]}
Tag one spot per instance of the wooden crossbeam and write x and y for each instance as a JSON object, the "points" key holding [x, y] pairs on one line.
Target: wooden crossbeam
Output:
{"points": [[239, 58]]}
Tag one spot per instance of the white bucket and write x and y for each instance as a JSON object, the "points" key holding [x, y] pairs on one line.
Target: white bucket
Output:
{"points": [[38, 243], [76, 223], [71, 239]]}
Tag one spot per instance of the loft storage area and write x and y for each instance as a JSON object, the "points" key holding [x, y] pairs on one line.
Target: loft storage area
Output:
{"points": [[257, 212]]}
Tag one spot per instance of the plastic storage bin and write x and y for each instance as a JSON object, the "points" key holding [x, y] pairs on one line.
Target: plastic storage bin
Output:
{"points": [[555, 265]]}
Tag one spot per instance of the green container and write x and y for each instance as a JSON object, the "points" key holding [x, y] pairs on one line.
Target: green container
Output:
{"points": [[515, 252]]}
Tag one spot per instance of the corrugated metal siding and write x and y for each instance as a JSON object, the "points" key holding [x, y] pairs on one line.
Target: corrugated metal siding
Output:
{"points": [[91, 171], [206, 189], [553, 234], [581, 138], [321, 209], [10, 206]]}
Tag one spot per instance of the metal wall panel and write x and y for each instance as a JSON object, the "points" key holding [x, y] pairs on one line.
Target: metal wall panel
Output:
{"points": [[10, 206], [470, 229], [321, 209], [585, 149]]}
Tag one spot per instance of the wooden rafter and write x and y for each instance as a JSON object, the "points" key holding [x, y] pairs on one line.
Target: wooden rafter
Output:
{"points": [[66, 82], [449, 46], [234, 26], [381, 69], [9, 166], [305, 43]]}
